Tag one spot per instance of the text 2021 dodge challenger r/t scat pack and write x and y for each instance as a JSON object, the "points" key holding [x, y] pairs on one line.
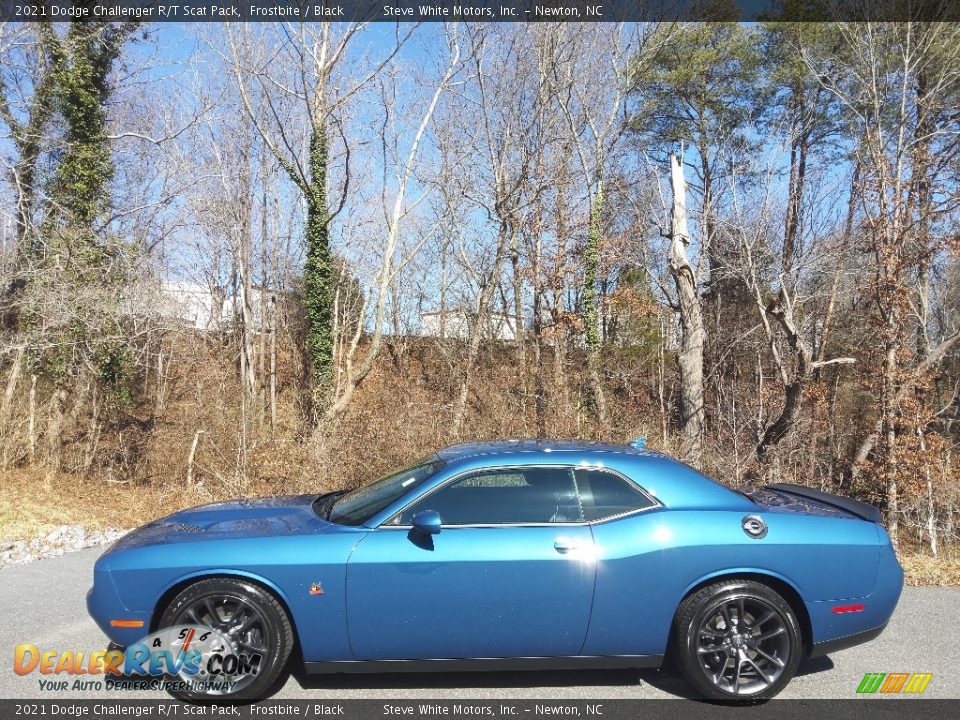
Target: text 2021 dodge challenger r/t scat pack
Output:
{"points": [[515, 554]]}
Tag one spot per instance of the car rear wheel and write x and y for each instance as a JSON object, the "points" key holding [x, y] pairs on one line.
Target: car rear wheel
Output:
{"points": [[256, 639], [737, 640]]}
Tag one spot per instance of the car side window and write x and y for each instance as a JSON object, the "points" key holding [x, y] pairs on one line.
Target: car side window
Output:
{"points": [[503, 497], [603, 495]]}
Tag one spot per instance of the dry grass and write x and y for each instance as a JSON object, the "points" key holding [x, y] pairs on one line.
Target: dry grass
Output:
{"points": [[29, 507], [924, 569]]}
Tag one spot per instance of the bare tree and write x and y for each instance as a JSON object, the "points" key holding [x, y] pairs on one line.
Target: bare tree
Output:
{"points": [[690, 358], [356, 372], [505, 148], [593, 107], [299, 78], [795, 359], [891, 73]]}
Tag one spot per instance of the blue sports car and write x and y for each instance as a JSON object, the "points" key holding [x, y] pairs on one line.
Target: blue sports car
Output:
{"points": [[506, 555]]}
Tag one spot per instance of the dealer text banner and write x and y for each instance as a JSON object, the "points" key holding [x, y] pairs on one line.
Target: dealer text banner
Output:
{"points": [[469, 10], [485, 708]]}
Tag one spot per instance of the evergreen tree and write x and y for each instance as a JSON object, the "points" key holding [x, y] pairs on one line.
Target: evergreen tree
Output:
{"points": [[702, 93]]}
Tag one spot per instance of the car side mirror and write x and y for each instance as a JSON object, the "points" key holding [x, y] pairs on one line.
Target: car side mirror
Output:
{"points": [[427, 522]]}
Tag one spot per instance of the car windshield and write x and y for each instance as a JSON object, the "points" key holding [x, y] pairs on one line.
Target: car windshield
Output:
{"points": [[358, 506]]}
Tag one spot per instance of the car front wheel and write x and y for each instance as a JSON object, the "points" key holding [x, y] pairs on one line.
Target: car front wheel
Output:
{"points": [[737, 640], [248, 648]]}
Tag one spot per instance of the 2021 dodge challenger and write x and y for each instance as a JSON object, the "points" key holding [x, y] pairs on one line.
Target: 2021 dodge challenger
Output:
{"points": [[509, 555]]}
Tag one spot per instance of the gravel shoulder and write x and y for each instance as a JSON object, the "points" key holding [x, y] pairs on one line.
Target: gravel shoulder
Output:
{"points": [[43, 603], [59, 541]]}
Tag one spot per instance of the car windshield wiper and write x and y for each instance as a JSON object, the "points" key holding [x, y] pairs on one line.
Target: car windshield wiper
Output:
{"points": [[324, 504]]}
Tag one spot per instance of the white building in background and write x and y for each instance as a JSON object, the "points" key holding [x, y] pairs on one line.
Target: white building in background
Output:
{"points": [[202, 307], [457, 323], [198, 306], [194, 304]]}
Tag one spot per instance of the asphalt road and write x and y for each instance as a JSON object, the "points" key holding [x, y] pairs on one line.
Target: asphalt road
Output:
{"points": [[43, 603]]}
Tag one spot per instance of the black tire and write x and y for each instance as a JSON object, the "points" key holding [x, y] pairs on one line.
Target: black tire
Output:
{"points": [[273, 626], [766, 640]]}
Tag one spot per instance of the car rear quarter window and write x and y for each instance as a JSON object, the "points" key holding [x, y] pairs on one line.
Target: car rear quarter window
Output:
{"points": [[604, 494], [503, 497]]}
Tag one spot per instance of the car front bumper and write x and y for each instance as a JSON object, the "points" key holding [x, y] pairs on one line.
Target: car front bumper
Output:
{"points": [[105, 607]]}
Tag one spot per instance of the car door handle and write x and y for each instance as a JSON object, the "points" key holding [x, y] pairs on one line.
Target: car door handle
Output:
{"points": [[563, 545]]}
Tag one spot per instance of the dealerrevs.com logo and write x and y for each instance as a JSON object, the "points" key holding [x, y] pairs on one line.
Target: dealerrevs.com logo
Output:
{"points": [[899, 683], [200, 659]]}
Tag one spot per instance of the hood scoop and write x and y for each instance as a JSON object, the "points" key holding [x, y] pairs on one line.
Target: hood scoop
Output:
{"points": [[191, 527], [276, 521], [262, 517]]}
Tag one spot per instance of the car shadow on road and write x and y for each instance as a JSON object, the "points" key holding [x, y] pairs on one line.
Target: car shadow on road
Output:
{"points": [[486, 679], [667, 681], [811, 666], [670, 681]]}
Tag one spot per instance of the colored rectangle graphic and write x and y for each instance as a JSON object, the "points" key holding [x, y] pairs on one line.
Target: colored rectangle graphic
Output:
{"points": [[894, 683]]}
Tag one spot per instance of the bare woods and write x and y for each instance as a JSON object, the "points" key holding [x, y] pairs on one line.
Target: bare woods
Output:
{"points": [[285, 257]]}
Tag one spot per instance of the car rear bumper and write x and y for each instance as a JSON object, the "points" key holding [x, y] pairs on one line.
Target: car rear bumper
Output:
{"points": [[843, 623], [832, 646]]}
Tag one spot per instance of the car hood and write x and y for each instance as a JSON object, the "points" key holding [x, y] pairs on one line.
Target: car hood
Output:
{"points": [[259, 517]]}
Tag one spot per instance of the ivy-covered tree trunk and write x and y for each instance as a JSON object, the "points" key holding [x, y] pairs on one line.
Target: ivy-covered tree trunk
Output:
{"points": [[71, 261], [79, 191], [318, 278], [81, 65]]}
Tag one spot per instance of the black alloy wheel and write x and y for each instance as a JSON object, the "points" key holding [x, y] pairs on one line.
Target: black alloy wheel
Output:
{"points": [[251, 619], [737, 640]]}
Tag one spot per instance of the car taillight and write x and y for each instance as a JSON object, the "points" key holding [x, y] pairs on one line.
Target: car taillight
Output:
{"points": [[847, 608]]}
